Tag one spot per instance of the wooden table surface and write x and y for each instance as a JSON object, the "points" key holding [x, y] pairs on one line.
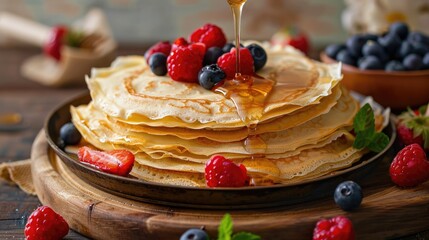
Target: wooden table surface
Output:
{"points": [[34, 102]]}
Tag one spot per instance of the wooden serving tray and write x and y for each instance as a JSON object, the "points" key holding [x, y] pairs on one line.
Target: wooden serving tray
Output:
{"points": [[386, 211]]}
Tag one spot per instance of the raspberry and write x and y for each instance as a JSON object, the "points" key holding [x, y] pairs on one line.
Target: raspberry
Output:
{"points": [[53, 47], [45, 224], [209, 34], [180, 42], [406, 136], [221, 172], [227, 63], [184, 63], [410, 166], [162, 47], [338, 228]]}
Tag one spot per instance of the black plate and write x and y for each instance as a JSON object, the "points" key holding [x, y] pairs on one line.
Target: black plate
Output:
{"points": [[208, 198]]}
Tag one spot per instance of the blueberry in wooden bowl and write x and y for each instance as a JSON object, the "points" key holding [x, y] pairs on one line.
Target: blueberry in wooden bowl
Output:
{"points": [[392, 67]]}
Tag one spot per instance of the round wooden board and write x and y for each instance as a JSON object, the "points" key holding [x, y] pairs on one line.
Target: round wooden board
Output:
{"points": [[386, 211]]}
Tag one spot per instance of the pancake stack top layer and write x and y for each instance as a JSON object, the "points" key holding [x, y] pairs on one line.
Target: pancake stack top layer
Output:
{"points": [[173, 128]]}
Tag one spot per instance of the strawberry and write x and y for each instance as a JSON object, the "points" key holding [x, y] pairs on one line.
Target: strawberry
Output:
{"points": [[221, 172], [45, 224], [413, 127], [184, 63], [53, 47], [119, 162], [292, 36], [160, 47], [410, 167], [209, 34], [337, 228], [227, 63]]}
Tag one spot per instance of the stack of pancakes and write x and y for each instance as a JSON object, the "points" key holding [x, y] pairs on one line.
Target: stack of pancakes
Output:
{"points": [[173, 128]]}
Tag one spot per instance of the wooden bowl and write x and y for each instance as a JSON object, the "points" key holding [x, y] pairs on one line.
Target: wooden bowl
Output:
{"points": [[397, 90]]}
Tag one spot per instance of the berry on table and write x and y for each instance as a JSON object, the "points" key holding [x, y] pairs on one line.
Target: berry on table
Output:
{"points": [[400, 29], [336, 228], [160, 47], [346, 57], [227, 63], [119, 162], [413, 62], [394, 66], [259, 56], [212, 55], [354, 45], [410, 166], [348, 195], [370, 63], [209, 34], [210, 75], [194, 234], [52, 48], [45, 224], [221, 172], [333, 49], [69, 134], [184, 63], [158, 64]]}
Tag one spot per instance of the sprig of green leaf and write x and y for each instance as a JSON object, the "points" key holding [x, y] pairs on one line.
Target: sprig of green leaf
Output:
{"points": [[364, 128], [225, 231]]}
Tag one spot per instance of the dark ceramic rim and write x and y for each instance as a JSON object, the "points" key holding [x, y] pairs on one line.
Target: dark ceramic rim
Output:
{"points": [[365, 160]]}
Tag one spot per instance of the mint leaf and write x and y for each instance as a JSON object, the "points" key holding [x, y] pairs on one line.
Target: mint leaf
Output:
{"points": [[362, 139], [245, 236], [225, 228], [364, 120], [378, 142], [366, 136]]}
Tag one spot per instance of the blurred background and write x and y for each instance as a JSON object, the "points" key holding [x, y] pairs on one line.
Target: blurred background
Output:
{"points": [[148, 21]]}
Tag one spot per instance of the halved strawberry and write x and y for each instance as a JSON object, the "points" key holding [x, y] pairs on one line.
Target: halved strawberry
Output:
{"points": [[53, 47], [119, 162]]}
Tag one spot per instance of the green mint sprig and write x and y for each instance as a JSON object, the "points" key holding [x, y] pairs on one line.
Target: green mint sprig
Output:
{"points": [[364, 128], [225, 231]]}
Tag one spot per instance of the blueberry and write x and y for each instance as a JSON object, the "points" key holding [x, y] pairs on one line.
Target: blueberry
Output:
{"points": [[391, 42], [394, 66], [227, 48], [259, 55], [406, 49], [370, 63], [375, 49], [413, 62], [400, 29], [333, 49], [355, 44], [426, 61], [420, 48], [212, 55], [418, 37], [158, 64], [69, 134], [210, 75], [346, 57], [194, 234], [348, 195], [370, 37]]}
